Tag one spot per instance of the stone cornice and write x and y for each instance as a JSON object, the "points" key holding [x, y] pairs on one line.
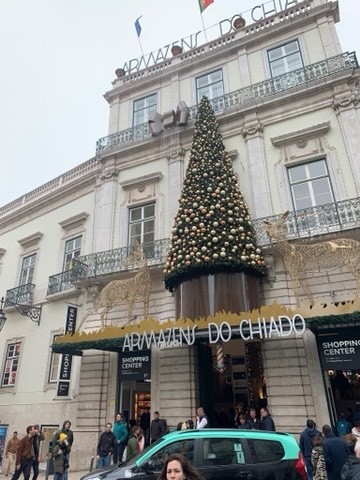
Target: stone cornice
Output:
{"points": [[301, 135], [139, 181], [30, 240], [74, 221]]}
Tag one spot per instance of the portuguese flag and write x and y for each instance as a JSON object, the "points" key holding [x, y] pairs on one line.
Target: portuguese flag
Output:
{"points": [[204, 4]]}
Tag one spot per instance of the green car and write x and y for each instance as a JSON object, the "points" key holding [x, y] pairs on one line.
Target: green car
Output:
{"points": [[219, 454]]}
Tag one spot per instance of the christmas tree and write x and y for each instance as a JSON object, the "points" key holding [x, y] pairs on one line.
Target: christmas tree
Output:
{"points": [[212, 232]]}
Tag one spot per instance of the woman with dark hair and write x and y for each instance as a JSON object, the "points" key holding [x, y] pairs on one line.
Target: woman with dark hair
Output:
{"points": [[317, 459], [177, 467]]}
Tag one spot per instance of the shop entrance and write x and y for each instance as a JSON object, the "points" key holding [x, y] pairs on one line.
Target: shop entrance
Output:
{"points": [[241, 384], [339, 353]]}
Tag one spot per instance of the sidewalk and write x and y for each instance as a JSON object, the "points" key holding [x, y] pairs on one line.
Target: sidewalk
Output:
{"points": [[71, 475]]}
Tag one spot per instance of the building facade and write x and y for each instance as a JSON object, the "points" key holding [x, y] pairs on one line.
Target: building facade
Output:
{"points": [[287, 102]]}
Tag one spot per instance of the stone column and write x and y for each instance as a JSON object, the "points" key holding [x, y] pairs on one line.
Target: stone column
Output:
{"points": [[261, 198], [175, 158], [104, 209], [346, 106]]}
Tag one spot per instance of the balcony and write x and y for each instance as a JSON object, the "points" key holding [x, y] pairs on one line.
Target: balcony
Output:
{"points": [[60, 283], [247, 96], [307, 223], [22, 295]]}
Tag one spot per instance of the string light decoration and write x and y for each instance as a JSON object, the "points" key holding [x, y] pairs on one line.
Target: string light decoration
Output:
{"points": [[212, 231], [255, 372]]}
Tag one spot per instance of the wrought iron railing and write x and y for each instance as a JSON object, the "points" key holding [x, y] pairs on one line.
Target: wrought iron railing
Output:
{"points": [[307, 223], [250, 95], [113, 261], [21, 295], [60, 282]]}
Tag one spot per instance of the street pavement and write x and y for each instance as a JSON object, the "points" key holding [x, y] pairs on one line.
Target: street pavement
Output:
{"points": [[72, 475]]}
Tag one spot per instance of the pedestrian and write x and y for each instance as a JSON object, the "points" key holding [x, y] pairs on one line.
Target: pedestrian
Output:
{"points": [[10, 454], [24, 455], [317, 459], [351, 469], [335, 453], [342, 426], [356, 432], [105, 447], [37, 438], [60, 456], [355, 416], [120, 430], [136, 443], [266, 422], [306, 445], [189, 424], [243, 423], [145, 425], [65, 430], [202, 420], [253, 419], [177, 467], [158, 427]]}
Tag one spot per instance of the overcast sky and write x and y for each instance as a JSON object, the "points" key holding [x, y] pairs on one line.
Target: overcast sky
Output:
{"points": [[58, 58]]}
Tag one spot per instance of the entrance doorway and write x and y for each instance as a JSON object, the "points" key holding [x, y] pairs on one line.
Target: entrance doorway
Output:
{"points": [[241, 384], [343, 388]]}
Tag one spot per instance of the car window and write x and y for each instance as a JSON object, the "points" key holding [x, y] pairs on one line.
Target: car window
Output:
{"points": [[263, 451], [184, 447], [222, 451]]}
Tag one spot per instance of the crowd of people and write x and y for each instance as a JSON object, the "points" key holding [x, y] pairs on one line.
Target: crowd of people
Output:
{"points": [[22, 456], [333, 455]]}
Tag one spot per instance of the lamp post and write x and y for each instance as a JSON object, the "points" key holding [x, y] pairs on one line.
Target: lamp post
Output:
{"points": [[2, 314]]}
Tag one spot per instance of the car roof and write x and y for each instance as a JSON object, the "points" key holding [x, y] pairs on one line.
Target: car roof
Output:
{"points": [[230, 432]]}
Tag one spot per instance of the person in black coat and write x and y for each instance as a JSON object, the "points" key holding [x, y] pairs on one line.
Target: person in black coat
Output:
{"points": [[335, 453], [351, 469], [105, 447], [267, 422], [306, 445]]}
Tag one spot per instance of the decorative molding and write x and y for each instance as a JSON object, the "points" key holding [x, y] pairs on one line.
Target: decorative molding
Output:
{"points": [[140, 181], [252, 129], [73, 222], [349, 99], [31, 240], [300, 137], [174, 153], [233, 154]]}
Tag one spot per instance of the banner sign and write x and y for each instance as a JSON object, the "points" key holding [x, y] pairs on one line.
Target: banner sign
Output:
{"points": [[256, 14], [340, 350], [136, 366], [66, 359]]}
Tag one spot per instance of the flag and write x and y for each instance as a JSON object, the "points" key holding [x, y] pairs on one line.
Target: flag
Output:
{"points": [[138, 26], [204, 4]]}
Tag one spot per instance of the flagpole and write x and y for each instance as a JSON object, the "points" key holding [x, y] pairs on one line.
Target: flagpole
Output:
{"points": [[141, 48], [204, 29]]}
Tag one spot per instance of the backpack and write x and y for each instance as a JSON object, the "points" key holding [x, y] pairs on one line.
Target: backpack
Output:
{"points": [[342, 428]]}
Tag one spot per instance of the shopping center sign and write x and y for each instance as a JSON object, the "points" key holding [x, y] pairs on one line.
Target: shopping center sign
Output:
{"points": [[256, 14]]}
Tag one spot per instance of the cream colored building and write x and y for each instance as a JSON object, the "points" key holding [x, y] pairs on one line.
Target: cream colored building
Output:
{"points": [[287, 101]]}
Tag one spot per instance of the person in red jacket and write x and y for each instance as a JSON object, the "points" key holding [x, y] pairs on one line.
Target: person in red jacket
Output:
{"points": [[25, 455]]}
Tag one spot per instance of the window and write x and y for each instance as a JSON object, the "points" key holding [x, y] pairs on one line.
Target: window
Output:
{"points": [[27, 270], [285, 58], [54, 365], [142, 109], [310, 185], [265, 451], [222, 451], [184, 447], [142, 224], [210, 85], [72, 250], [11, 364]]}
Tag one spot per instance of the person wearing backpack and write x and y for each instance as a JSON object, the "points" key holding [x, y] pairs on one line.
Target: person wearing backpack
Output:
{"points": [[342, 426]]}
